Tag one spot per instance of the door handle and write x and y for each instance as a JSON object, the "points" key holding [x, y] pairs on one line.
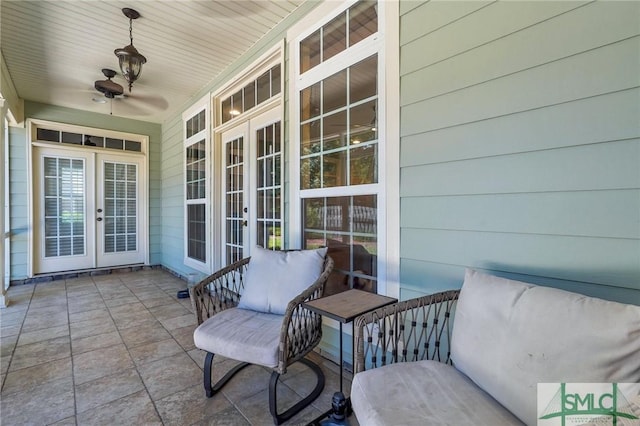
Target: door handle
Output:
{"points": [[99, 219], [244, 223], [99, 210]]}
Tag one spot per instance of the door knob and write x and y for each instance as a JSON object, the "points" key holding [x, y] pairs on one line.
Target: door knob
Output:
{"points": [[99, 219], [244, 223], [99, 210]]}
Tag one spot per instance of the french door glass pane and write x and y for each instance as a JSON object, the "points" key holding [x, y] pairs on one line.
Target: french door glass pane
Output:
{"points": [[196, 232], [64, 201], [235, 199], [269, 187], [120, 213]]}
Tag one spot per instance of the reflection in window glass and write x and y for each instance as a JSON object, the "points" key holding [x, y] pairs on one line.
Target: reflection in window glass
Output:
{"points": [[334, 37], [334, 91], [310, 52], [348, 227], [345, 137], [363, 21], [359, 22]]}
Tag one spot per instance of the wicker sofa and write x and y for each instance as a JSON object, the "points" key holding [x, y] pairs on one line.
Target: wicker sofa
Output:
{"points": [[416, 365]]}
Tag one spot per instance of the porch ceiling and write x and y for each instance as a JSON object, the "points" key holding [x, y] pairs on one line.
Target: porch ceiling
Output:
{"points": [[54, 50]]}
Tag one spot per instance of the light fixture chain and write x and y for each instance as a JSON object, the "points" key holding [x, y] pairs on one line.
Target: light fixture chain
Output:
{"points": [[131, 31]]}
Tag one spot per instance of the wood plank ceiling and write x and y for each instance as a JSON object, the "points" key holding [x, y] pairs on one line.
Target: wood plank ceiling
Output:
{"points": [[55, 50]]}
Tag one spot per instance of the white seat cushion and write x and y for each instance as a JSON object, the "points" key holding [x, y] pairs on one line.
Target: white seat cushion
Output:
{"points": [[423, 393], [242, 335]]}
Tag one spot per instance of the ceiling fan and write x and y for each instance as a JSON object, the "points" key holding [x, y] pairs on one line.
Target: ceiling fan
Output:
{"points": [[109, 88], [138, 104]]}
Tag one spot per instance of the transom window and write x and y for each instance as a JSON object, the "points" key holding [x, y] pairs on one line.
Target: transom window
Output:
{"points": [[346, 30], [252, 94]]}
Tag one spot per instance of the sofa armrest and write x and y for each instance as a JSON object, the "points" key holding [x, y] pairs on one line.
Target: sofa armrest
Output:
{"points": [[411, 330]]}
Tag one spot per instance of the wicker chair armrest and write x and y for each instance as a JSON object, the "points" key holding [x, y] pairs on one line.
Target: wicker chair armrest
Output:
{"points": [[219, 291], [302, 328], [410, 330]]}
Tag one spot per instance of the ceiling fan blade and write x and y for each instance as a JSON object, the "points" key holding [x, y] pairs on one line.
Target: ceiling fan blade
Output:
{"points": [[159, 103]]}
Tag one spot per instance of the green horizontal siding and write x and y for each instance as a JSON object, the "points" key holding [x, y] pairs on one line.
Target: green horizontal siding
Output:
{"points": [[520, 145]]}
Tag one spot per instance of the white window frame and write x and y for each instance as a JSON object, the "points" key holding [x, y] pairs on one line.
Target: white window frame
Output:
{"points": [[203, 104], [386, 44]]}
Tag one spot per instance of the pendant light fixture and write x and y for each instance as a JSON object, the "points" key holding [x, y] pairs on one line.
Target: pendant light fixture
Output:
{"points": [[131, 60]]}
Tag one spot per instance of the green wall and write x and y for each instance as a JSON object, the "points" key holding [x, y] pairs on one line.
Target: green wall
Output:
{"points": [[520, 149], [18, 177]]}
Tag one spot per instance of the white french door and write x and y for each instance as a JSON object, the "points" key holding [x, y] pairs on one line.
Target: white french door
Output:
{"points": [[89, 208], [252, 155]]}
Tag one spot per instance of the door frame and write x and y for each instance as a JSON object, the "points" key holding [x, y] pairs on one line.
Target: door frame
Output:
{"points": [[32, 209], [246, 128]]}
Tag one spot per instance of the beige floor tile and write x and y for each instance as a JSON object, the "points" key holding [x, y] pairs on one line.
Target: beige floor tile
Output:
{"points": [[91, 327], [107, 389], [99, 363], [8, 344], [135, 409], [179, 322], [43, 334], [69, 421], [40, 353], [10, 317], [155, 351], [86, 304], [159, 300], [256, 408], [169, 375], [28, 378], [168, 311], [38, 321], [99, 341], [190, 406], [45, 404], [248, 382], [95, 314], [184, 336], [229, 417], [145, 333]]}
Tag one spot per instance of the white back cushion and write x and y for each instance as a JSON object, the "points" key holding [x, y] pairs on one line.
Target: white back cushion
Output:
{"points": [[274, 278], [509, 336]]}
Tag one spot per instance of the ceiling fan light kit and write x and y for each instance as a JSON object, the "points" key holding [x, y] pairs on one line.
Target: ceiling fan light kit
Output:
{"points": [[130, 59]]}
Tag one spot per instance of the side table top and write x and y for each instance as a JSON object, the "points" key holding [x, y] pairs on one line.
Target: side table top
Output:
{"points": [[347, 305]]}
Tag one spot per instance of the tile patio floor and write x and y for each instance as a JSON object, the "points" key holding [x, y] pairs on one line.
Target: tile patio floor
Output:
{"points": [[118, 350]]}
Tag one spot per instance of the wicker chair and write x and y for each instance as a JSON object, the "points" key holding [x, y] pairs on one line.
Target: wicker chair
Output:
{"points": [[300, 330], [413, 330]]}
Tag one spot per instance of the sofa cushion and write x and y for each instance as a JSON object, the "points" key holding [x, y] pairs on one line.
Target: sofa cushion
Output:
{"points": [[243, 335], [274, 278], [421, 393], [509, 336]]}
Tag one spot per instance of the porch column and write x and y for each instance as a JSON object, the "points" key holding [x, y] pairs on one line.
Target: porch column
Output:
{"points": [[4, 298]]}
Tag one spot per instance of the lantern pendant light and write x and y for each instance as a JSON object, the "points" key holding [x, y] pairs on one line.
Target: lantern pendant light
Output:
{"points": [[130, 59]]}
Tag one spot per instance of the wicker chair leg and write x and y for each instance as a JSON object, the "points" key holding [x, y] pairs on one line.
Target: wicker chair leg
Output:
{"points": [[278, 418], [208, 364]]}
